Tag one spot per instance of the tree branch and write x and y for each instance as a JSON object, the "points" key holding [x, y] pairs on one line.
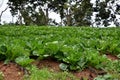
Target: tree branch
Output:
{"points": [[3, 12]]}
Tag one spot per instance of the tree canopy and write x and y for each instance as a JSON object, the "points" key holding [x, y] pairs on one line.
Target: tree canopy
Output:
{"points": [[72, 12]]}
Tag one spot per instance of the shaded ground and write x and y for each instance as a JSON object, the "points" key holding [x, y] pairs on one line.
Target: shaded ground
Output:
{"points": [[48, 63], [112, 57], [12, 71], [85, 74]]}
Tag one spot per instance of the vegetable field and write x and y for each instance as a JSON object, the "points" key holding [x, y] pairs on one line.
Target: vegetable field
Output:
{"points": [[75, 48]]}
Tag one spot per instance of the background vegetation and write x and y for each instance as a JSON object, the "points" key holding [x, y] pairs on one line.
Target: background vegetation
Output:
{"points": [[72, 12]]}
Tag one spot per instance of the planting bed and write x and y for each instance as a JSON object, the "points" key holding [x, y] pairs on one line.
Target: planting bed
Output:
{"points": [[13, 71], [27, 51]]}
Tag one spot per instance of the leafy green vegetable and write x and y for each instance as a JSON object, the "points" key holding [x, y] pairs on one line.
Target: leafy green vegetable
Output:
{"points": [[77, 47], [3, 49], [23, 61], [63, 66], [106, 77]]}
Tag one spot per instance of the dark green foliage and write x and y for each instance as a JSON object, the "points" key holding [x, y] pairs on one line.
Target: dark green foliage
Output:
{"points": [[72, 12], [106, 12], [82, 14], [23, 61]]}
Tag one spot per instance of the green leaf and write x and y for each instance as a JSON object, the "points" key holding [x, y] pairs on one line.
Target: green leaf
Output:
{"points": [[3, 49], [38, 52], [74, 67], [6, 61], [23, 61], [63, 66]]}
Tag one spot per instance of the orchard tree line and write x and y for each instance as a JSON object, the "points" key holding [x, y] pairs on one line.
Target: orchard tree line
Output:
{"points": [[72, 12]]}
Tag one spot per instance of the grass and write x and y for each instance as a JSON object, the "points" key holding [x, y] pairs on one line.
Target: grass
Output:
{"points": [[1, 75], [45, 74]]}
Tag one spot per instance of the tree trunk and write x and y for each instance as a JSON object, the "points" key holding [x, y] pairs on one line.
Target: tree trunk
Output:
{"points": [[69, 18], [3, 12], [47, 18]]}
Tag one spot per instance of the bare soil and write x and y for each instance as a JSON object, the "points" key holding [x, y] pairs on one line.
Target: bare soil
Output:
{"points": [[11, 71], [85, 74], [112, 57], [48, 63]]}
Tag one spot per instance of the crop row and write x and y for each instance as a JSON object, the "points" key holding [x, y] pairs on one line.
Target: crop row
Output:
{"points": [[76, 48]]}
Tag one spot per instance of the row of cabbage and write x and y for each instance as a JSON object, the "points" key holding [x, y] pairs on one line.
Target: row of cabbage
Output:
{"points": [[75, 48]]}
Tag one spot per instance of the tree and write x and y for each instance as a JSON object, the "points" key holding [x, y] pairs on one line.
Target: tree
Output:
{"points": [[107, 11], [83, 13], [72, 12], [30, 10]]}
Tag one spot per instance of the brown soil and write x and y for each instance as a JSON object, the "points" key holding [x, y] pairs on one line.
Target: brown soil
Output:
{"points": [[85, 74], [112, 57], [48, 63], [11, 71]]}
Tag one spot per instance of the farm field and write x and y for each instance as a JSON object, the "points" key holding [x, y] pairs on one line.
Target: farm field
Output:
{"points": [[59, 53]]}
